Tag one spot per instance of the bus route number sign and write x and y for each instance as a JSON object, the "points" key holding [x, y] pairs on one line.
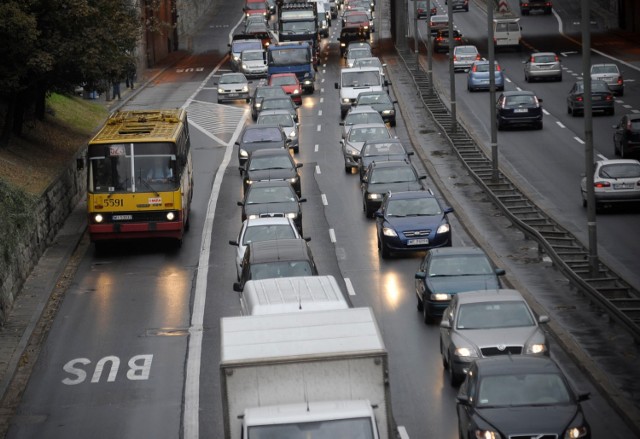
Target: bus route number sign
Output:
{"points": [[117, 150]]}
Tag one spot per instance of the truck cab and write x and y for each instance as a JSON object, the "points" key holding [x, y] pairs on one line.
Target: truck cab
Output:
{"points": [[356, 80]]}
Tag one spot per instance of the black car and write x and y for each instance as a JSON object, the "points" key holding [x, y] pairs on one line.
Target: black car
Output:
{"points": [[265, 199], [381, 151], [381, 102], [383, 177], [626, 136], [526, 6], [349, 34], [411, 221], [271, 164], [520, 397], [441, 40], [447, 271], [279, 103], [254, 137], [261, 92], [515, 108], [276, 258], [601, 98]]}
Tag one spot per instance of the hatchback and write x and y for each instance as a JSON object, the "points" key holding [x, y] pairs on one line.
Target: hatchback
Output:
{"points": [[290, 84], [381, 151], [279, 103], [359, 115], [441, 40], [411, 221], [421, 9], [518, 108], [542, 65], [626, 135], [601, 98], [289, 126], [464, 57], [438, 22], [609, 73], [260, 92], [381, 102], [254, 137], [272, 199], [271, 164], [233, 86], [614, 181], [352, 144], [354, 53], [478, 77], [253, 63], [384, 177]]}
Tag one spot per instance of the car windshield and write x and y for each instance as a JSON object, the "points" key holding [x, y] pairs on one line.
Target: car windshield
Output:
{"points": [[234, 78], [277, 104], [239, 46], [256, 6], [284, 120], [359, 53], [267, 232], [298, 26], [459, 265], [544, 58], [272, 162], [522, 389], [620, 170], [373, 149], [484, 67], [284, 80], [269, 270], [465, 50], [252, 56], [413, 207], [605, 68], [400, 174], [280, 194], [359, 79], [270, 134], [360, 118], [378, 98], [492, 315], [371, 133], [287, 57]]}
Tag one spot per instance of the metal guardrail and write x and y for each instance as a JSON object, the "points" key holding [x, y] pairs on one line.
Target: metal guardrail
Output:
{"points": [[607, 289]]}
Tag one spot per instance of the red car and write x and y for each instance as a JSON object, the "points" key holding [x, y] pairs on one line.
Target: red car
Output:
{"points": [[290, 84]]}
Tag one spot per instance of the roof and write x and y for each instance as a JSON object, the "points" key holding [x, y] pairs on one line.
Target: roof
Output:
{"points": [[502, 364], [260, 127], [278, 250], [255, 222], [518, 93], [411, 194], [391, 164], [451, 251], [141, 125], [361, 109], [490, 295]]}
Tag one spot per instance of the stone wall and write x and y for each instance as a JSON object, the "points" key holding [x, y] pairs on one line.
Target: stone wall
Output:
{"points": [[189, 14]]}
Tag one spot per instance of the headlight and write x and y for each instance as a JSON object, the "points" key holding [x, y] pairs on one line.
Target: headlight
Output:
{"points": [[346, 101], [575, 432], [244, 153], [343, 44], [236, 58], [248, 181], [307, 81], [171, 216], [98, 218], [292, 134], [487, 434], [292, 215], [387, 112], [444, 228], [352, 151], [466, 352], [440, 297], [537, 348], [386, 231], [258, 104], [374, 196], [365, 27], [220, 90], [244, 66], [295, 92], [264, 13], [245, 88], [253, 216]]}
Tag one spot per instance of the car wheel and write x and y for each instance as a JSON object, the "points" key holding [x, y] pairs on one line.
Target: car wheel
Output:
{"points": [[247, 100], [539, 125], [559, 78], [526, 78], [621, 151], [393, 122], [569, 111], [420, 304], [584, 201], [454, 378], [499, 125], [445, 364], [296, 149], [426, 316], [384, 251], [612, 111], [621, 93], [368, 212]]}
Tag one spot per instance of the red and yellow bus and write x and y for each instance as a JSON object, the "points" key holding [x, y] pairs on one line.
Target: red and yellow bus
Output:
{"points": [[140, 176]]}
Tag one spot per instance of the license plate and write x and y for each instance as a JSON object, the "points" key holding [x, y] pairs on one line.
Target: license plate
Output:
{"points": [[421, 241], [521, 110], [623, 186], [232, 95], [596, 98], [122, 217]]}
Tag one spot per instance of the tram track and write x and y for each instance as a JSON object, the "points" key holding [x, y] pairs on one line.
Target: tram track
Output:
{"points": [[606, 288]]}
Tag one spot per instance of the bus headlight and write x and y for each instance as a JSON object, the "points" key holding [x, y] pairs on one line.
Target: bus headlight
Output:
{"points": [[98, 218], [171, 216]]}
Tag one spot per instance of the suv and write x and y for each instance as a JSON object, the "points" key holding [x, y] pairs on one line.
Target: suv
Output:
{"points": [[542, 5], [274, 259]]}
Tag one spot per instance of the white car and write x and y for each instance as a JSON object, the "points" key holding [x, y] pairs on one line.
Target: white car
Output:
{"points": [[354, 53], [262, 229], [253, 63], [614, 181], [286, 122], [233, 86], [359, 115], [609, 73], [464, 57]]}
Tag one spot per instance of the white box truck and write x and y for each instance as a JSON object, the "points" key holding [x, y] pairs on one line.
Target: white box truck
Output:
{"points": [[291, 294], [305, 375]]}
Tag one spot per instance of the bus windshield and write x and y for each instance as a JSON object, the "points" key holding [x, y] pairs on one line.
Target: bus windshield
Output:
{"points": [[148, 167], [287, 57]]}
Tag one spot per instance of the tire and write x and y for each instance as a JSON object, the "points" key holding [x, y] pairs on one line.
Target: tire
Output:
{"points": [[368, 212], [384, 251], [426, 317], [539, 125], [569, 111], [621, 151], [621, 92], [420, 304], [296, 150], [499, 125], [392, 123], [584, 201], [612, 111], [347, 169], [454, 379], [526, 78], [445, 363]]}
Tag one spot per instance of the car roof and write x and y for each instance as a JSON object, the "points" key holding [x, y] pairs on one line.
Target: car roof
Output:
{"points": [[440, 17], [391, 164], [267, 152], [543, 54], [465, 46], [502, 364], [618, 162], [238, 74], [271, 183], [405, 195], [273, 98], [452, 251], [290, 249], [378, 141], [490, 295], [261, 126], [518, 93], [279, 111], [361, 109], [368, 125]]}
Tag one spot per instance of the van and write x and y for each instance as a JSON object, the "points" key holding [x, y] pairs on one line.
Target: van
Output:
{"points": [[507, 33], [354, 81], [291, 294]]}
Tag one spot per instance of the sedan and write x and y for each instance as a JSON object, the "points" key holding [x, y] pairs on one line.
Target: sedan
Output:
{"points": [[279, 103], [355, 53], [352, 144], [290, 84], [271, 164], [626, 135], [385, 177], [381, 102], [359, 115], [518, 108], [254, 137], [381, 151], [411, 221], [542, 65], [421, 10], [609, 73], [261, 92], [601, 98], [270, 199], [233, 86], [262, 229], [478, 77], [438, 22], [464, 57], [289, 126], [520, 397], [487, 323], [614, 181], [445, 272]]}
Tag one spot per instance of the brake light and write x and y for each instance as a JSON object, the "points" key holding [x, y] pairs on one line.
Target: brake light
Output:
{"points": [[620, 80], [579, 99], [455, 57], [474, 68], [601, 184], [532, 59], [478, 57], [497, 68], [557, 59], [608, 98], [629, 128]]}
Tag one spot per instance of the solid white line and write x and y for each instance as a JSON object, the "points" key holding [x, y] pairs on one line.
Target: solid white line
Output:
{"points": [[324, 199], [321, 90], [560, 124], [403, 432], [318, 169], [322, 80], [579, 140], [350, 289], [332, 235], [206, 133]]}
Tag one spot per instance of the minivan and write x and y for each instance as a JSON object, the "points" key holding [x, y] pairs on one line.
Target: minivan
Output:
{"points": [[507, 32]]}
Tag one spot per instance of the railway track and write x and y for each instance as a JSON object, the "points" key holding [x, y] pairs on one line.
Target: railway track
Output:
{"points": [[605, 288]]}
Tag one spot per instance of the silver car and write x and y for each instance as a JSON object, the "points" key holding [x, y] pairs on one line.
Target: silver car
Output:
{"points": [[482, 324], [233, 86], [359, 115], [352, 144], [355, 53], [542, 65], [286, 122], [464, 57], [614, 181], [609, 73], [253, 63]]}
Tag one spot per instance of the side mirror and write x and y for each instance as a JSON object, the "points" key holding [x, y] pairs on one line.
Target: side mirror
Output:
{"points": [[237, 286], [539, 100], [444, 323], [448, 210], [410, 153], [302, 200], [500, 272], [543, 319], [299, 165], [394, 102], [462, 399], [420, 275], [307, 238], [337, 86], [234, 243], [342, 124], [583, 396], [240, 203], [424, 177]]}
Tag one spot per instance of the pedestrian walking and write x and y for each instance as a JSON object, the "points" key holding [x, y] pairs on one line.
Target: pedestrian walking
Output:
{"points": [[116, 89], [130, 75]]}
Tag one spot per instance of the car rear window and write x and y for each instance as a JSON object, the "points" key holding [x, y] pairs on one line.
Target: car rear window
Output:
{"points": [[620, 170], [514, 101], [544, 58], [608, 68], [635, 124]]}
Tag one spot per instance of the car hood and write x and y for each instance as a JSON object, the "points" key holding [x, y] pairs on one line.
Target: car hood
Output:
{"points": [[383, 188], [457, 284], [381, 107], [529, 420], [270, 174], [400, 224], [495, 337], [256, 209], [381, 158], [255, 63]]}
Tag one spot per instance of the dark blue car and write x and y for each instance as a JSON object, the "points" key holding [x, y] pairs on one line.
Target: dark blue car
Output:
{"points": [[411, 221]]}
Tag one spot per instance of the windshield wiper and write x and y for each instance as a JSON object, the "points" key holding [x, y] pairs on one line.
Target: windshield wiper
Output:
{"points": [[146, 183]]}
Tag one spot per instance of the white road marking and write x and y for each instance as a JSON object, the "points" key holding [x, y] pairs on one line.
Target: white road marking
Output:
{"points": [[322, 80], [635, 111], [324, 199], [628, 106], [546, 113], [321, 90], [560, 124], [350, 289], [332, 235], [315, 147], [403, 432], [321, 100], [319, 112], [579, 140], [319, 127], [601, 157], [318, 169]]}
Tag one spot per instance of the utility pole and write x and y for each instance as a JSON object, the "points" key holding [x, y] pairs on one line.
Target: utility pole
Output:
{"points": [[492, 93], [429, 50], [452, 73]]}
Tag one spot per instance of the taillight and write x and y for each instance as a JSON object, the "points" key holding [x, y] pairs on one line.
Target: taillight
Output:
{"points": [[608, 98], [478, 57], [497, 68], [579, 99], [620, 80], [557, 59], [629, 128], [475, 69], [455, 58], [601, 184], [532, 59]]}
